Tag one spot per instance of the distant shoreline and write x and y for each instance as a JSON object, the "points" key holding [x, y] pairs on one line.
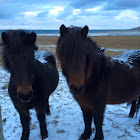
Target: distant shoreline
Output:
{"points": [[137, 29], [112, 32]]}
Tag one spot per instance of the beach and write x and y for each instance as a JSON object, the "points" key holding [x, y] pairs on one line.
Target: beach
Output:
{"points": [[114, 45], [117, 42]]}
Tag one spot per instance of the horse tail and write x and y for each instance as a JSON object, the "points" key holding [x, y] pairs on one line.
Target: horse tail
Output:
{"points": [[51, 59], [135, 105]]}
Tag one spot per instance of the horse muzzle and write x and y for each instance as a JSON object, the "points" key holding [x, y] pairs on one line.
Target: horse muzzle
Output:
{"points": [[76, 91], [25, 93], [25, 97]]}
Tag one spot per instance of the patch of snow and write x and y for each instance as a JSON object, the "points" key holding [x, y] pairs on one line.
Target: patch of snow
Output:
{"points": [[42, 46], [127, 57], [42, 55], [66, 120], [116, 50]]}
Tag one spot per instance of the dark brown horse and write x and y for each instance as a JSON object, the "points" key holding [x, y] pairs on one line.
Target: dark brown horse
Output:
{"points": [[95, 79], [31, 81]]}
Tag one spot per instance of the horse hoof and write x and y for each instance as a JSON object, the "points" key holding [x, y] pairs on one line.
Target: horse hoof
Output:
{"points": [[131, 115], [44, 137], [98, 139], [84, 136], [24, 138], [48, 113]]}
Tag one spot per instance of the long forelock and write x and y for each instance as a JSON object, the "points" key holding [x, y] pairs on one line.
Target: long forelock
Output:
{"points": [[74, 46], [15, 44], [16, 39]]}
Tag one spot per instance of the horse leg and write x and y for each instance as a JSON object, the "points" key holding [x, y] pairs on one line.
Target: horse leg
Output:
{"points": [[98, 121], [42, 121], [87, 120], [133, 109], [98, 114], [25, 121], [47, 107]]}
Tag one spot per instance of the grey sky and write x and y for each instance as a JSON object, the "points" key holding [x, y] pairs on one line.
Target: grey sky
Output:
{"points": [[50, 14]]}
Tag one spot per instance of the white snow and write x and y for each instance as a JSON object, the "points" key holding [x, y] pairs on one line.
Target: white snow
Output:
{"points": [[41, 55], [127, 57], [66, 121]]}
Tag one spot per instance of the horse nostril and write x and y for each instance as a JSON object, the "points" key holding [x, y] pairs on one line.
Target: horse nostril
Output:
{"points": [[73, 88], [25, 97], [82, 87], [20, 95], [77, 90]]}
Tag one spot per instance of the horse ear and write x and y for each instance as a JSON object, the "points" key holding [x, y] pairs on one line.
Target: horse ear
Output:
{"points": [[63, 30], [33, 37], [84, 31], [4, 37]]}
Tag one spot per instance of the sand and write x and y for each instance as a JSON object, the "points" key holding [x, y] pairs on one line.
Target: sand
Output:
{"points": [[109, 42], [117, 42]]}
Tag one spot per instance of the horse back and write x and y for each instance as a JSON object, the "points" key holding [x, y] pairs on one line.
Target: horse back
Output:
{"points": [[46, 76], [124, 83]]}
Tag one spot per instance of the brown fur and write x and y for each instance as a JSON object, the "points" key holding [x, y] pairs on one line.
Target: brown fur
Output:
{"points": [[24, 88], [31, 82], [107, 81]]}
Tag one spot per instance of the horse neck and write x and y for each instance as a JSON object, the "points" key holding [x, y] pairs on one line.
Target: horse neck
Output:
{"points": [[99, 68]]}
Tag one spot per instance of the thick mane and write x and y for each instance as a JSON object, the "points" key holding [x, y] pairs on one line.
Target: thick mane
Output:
{"points": [[74, 45], [18, 39]]}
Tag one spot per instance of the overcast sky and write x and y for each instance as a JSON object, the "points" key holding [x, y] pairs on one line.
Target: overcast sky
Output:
{"points": [[50, 14]]}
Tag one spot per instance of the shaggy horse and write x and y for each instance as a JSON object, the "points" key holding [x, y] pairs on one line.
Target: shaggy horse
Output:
{"points": [[31, 81], [93, 78]]}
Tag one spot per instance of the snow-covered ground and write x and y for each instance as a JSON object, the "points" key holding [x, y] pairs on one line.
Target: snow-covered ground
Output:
{"points": [[66, 121]]}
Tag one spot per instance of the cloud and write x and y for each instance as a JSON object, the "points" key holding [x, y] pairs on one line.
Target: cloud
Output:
{"points": [[30, 14], [52, 13], [84, 4], [76, 11], [68, 11], [43, 14], [122, 4], [127, 15], [56, 10]]}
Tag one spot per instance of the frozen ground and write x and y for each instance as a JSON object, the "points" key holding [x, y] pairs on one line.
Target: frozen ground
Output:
{"points": [[65, 121]]}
